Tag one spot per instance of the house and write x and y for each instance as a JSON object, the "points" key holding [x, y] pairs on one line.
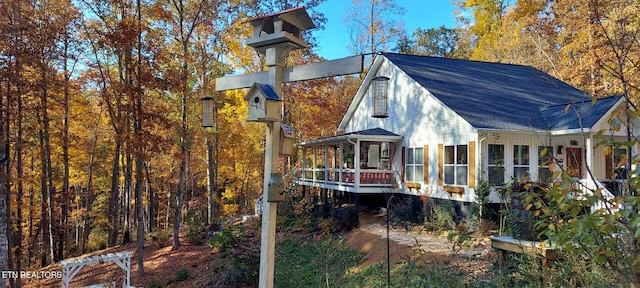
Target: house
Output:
{"points": [[434, 126]]}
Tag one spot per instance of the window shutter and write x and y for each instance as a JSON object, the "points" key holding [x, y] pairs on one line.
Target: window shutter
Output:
{"points": [[425, 153], [472, 164], [440, 164]]}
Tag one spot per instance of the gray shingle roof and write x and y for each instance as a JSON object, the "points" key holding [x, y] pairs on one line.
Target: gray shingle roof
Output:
{"points": [[376, 132], [373, 131], [502, 96]]}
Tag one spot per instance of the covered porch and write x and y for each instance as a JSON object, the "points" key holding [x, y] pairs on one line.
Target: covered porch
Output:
{"points": [[357, 162]]}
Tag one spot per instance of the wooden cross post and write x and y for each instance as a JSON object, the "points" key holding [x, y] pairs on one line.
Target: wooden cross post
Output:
{"points": [[274, 36]]}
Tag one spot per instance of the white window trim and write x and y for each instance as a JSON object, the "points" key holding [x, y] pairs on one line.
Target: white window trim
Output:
{"points": [[455, 165], [417, 178]]}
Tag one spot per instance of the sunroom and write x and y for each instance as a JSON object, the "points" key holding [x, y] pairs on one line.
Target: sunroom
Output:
{"points": [[360, 162]]}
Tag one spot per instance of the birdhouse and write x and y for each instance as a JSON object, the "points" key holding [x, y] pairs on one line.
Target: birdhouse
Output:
{"points": [[287, 138], [264, 104], [280, 29], [276, 188]]}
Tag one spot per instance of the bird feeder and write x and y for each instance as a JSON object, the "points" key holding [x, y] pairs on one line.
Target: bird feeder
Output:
{"points": [[207, 111], [280, 29], [380, 97]]}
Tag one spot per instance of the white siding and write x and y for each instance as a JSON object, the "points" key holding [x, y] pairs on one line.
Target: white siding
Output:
{"points": [[418, 116], [423, 120], [413, 112]]}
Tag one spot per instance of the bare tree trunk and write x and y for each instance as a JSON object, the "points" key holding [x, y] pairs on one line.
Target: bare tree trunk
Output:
{"points": [[210, 181], [4, 211], [65, 160], [114, 199], [139, 148], [19, 179], [168, 210], [30, 224], [4, 205], [90, 197], [126, 205], [139, 185], [181, 184], [44, 215], [47, 170], [152, 201]]}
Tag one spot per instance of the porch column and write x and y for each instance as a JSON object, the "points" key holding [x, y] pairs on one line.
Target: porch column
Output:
{"points": [[356, 165], [315, 163], [341, 161], [304, 162], [325, 151], [589, 158]]}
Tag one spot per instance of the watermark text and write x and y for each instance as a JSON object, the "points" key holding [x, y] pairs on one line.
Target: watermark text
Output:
{"points": [[31, 274]]}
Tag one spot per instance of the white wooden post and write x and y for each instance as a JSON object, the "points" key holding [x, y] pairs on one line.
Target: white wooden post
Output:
{"points": [[275, 43]]}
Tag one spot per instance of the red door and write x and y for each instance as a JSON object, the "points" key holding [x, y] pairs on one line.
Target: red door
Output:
{"points": [[574, 162]]}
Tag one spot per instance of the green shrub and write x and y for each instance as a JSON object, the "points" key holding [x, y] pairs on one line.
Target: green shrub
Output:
{"points": [[156, 284], [328, 225], [458, 240], [195, 230], [182, 274], [443, 217], [527, 270], [303, 262], [407, 209], [226, 239], [480, 210], [346, 219], [239, 250], [159, 237], [410, 273], [97, 240]]}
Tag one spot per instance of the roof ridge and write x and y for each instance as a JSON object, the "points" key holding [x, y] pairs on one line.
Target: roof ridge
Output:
{"points": [[458, 59]]}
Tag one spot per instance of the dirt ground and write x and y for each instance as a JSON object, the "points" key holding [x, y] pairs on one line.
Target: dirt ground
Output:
{"points": [[370, 237], [416, 244]]}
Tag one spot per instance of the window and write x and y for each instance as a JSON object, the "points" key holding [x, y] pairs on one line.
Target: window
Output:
{"points": [[414, 165], [496, 164], [545, 158], [616, 161], [521, 162], [456, 165]]}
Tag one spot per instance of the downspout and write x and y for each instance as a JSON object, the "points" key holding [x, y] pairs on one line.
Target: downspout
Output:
{"points": [[478, 155], [478, 151], [589, 155]]}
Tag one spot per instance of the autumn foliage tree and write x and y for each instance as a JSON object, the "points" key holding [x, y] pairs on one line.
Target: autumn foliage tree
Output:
{"points": [[100, 103], [592, 45]]}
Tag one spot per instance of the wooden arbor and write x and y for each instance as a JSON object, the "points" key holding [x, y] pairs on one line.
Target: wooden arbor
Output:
{"points": [[71, 267]]}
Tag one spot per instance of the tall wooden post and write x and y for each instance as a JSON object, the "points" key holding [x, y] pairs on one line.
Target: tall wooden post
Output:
{"points": [[274, 36], [274, 56]]}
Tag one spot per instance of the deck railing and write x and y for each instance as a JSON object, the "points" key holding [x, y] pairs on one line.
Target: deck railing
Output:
{"points": [[367, 177], [588, 186]]}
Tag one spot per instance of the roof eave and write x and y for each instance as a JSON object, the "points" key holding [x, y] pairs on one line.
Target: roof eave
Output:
{"points": [[570, 131], [349, 138]]}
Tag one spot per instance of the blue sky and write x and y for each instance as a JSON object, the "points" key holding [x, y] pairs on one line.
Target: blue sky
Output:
{"points": [[423, 14]]}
